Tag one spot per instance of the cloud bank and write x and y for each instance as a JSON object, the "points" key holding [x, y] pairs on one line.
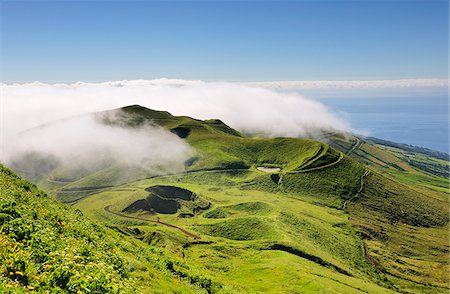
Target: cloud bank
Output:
{"points": [[88, 143], [371, 84], [248, 109]]}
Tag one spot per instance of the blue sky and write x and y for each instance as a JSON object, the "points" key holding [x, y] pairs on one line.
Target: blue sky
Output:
{"points": [[233, 41]]}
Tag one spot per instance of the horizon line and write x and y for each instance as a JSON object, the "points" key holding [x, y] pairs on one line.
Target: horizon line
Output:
{"points": [[276, 84]]}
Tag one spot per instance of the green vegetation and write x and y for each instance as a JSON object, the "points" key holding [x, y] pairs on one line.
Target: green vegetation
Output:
{"points": [[427, 171], [47, 246], [249, 228], [246, 208], [374, 220], [407, 232], [251, 207], [218, 213]]}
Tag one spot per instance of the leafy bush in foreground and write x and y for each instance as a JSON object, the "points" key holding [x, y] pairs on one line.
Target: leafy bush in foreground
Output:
{"points": [[46, 246]]}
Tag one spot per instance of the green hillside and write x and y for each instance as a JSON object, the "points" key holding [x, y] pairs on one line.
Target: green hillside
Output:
{"points": [[423, 168], [49, 247], [280, 215]]}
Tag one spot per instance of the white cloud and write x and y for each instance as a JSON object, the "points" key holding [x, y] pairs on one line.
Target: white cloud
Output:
{"points": [[85, 139], [249, 109], [371, 84]]}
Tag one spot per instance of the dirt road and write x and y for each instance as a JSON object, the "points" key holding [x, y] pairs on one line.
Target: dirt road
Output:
{"points": [[197, 237]]}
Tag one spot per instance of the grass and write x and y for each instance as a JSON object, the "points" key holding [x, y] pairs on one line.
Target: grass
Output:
{"points": [[251, 207], [407, 231], [253, 270], [47, 246], [248, 228], [417, 169], [304, 213], [317, 225], [253, 215], [245, 208]]}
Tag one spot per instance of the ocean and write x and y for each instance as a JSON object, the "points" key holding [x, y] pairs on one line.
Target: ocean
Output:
{"points": [[421, 121]]}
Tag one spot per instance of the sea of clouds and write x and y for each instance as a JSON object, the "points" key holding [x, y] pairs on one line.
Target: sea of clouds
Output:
{"points": [[248, 109]]}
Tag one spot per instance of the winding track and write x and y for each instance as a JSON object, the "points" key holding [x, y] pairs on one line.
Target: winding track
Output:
{"points": [[359, 191], [197, 237], [356, 145], [341, 156]]}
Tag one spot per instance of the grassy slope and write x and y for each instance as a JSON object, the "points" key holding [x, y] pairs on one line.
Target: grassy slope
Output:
{"points": [[313, 226], [406, 231], [402, 213], [240, 254], [46, 245], [420, 170], [304, 214]]}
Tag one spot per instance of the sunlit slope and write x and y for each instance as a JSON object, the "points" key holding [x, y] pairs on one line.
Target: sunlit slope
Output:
{"points": [[405, 231], [402, 209], [330, 218], [253, 230], [427, 170], [47, 246]]}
